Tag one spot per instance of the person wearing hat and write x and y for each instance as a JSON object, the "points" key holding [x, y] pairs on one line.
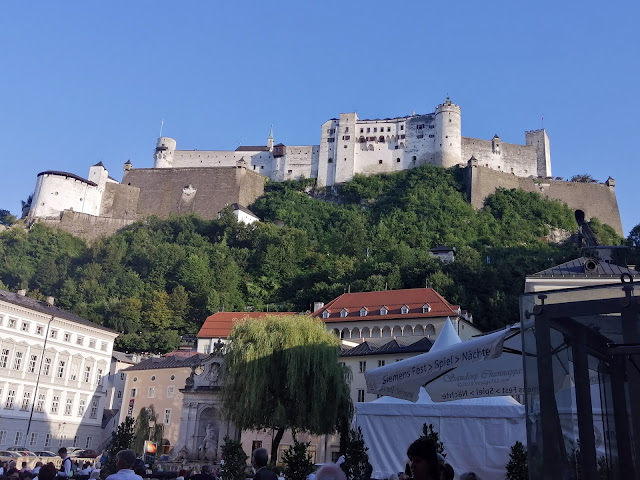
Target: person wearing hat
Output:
{"points": [[65, 466]]}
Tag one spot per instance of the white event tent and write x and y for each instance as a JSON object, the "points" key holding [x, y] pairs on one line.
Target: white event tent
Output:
{"points": [[477, 432]]}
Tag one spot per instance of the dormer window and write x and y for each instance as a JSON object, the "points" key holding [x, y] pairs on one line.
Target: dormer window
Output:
{"points": [[325, 314], [384, 311], [426, 308], [344, 312], [363, 312], [404, 310]]}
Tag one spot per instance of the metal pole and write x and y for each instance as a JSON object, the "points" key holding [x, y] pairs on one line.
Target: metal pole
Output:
{"points": [[35, 393]]}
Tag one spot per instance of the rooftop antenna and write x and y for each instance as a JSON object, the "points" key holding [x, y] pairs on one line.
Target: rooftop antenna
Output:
{"points": [[161, 125], [543, 121]]}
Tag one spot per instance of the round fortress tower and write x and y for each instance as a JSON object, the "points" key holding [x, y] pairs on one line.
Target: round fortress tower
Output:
{"points": [[163, 156], [448, 134]]}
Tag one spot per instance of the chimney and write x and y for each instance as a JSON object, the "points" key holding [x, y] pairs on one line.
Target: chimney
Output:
{"points": [[51, 301], [22, 292], [317, 306]]}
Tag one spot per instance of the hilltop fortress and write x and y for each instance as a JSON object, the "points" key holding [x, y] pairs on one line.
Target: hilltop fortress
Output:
{"points": [[204, 181]]}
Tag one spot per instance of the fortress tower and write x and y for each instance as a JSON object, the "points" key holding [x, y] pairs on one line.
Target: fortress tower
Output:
{"points": [[540, 140], [165, 149], [448, 146]]}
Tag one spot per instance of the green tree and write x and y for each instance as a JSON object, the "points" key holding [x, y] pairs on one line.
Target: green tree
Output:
{"points": [[356, 465], [235, 460], [282, 372], [297, 460], [121, 439], [634, 236], [146, 427], [6, 218], [517, 466], [429, 432], [582, 177]]}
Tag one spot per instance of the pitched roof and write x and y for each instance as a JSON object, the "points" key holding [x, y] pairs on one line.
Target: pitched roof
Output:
{"points": [[393, 300], [242, 208], [122, 357], [391, 347], [252, 148], [168, 361], [576, 268], [219, 324], [44, 307]]}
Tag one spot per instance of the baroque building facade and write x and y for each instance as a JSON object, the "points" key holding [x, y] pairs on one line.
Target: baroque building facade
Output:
{"points": [[53, 369]]}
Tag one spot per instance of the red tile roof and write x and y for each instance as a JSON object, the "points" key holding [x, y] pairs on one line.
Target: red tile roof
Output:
{"points": [[219, 324], [393, 300]]}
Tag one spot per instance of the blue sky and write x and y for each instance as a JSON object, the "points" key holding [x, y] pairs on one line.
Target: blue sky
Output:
{"points": [[84, 82]]}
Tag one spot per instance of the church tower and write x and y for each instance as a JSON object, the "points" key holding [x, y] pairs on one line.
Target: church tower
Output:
{"points": [[270, 140]]}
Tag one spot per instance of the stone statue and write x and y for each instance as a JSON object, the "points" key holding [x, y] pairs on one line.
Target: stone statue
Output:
{"points": [[210, 443]]}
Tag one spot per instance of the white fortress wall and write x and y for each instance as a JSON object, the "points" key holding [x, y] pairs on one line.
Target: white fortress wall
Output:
{"points": [[56, 192], [300, 161], [327, 154]]}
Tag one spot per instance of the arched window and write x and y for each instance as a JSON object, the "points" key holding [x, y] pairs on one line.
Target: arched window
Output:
{"points": [[345, 333], [407, 331], [355, 333], [418, 330], [430, 330], [386, 332], [370, 148], [366, 333], [397, 331], [381, 139], [375, 332]]}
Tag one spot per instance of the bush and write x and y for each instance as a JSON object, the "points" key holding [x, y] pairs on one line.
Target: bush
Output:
{"points": [[297, 460], [356, 465], [235, 460]]}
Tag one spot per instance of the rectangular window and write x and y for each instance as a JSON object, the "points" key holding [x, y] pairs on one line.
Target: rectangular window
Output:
{"points": [[103, 346], [171, 390], [133, 393], [388, 129], [68, 406], [11, 397], [362, 130], [368, 129], [39, 330], [46, 369], [363, 367], [381, 363], [81, 407], [63, 438], [33, 439], [94, 409], [26, 401], [3, 437], [119, 393], [24, 327], [55, 403], [99, 376], [60, 372], [151, 393], [420, 136], [122, 376], [67, 337], [360, 395], [331, 140], [4, 358], [87, 374], [53, 333], [92, 343], [431, 136], [47, 440], [79, 340], [76, 439], [401, 127], [12, 323], [88, 442], [31, 368], [375, 129], [40, 405], [74, 372], [17, 361], [19, 436], [167, 416]]}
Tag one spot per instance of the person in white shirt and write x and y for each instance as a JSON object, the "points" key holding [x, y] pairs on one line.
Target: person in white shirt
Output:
{"points": [[124, 463]]}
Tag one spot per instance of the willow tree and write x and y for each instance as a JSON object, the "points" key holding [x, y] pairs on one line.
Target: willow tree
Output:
{"points": [[283, 372], [146, 427]]}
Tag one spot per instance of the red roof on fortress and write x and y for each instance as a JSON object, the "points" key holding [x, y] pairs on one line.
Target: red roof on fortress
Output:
{"points": [[220, 324], [251, 148], [419, 303], [69, 175]]}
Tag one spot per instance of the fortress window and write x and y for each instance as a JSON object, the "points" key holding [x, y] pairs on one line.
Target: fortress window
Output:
{"points": [[347, 137], [420, 136], [289, 171], [414, 158], [368, 129], [331, 140], [398, 160], [388, 129], [261, 167], [401, 127], [381, 139], [431, 136], [380, 162], [420, 127], [346, 130], [375, 129], [362, 130], [432, 126], [330, 160], [345, 146], [402, 136]]}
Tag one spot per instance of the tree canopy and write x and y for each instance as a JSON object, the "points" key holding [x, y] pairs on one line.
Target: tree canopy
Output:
{"points": [[282, 372], [158, 279]]}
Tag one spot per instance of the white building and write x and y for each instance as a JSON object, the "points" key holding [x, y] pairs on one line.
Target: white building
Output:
{"points": [[52, 368]]}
